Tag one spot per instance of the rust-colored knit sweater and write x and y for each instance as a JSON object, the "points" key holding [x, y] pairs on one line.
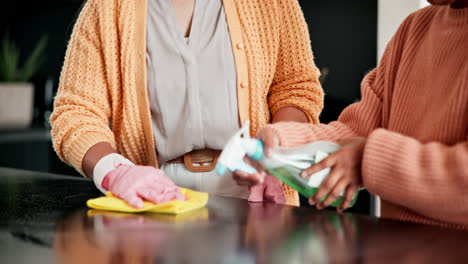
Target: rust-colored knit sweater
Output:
{"points": [[414, 111], [103, 96]]}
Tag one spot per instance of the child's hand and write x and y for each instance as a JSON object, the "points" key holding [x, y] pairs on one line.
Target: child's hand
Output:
{"points": [[270, 140], [345, 175]]}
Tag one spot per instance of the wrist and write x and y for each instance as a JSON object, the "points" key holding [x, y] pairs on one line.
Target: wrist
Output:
{"points": [[291, 114], [269, 130], [105, 165], [93, 155]]}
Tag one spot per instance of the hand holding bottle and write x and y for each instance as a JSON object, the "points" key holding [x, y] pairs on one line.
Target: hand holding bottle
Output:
{"points": [[345, 176]]}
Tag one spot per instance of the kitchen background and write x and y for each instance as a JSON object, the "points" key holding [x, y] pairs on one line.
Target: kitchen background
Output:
{"points": [[347, 38]]}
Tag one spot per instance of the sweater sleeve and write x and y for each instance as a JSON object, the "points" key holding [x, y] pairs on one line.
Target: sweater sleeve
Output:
{"points": [[81, 108], [295, 82], [358, 119], [430, 178]]}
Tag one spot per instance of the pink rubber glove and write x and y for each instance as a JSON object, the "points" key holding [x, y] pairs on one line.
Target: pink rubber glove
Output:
{"points": [[134, 184], [270, 190]]}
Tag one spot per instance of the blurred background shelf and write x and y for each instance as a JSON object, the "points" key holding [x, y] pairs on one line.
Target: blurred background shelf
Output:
{"points": [[24, 135], [31, 149]]}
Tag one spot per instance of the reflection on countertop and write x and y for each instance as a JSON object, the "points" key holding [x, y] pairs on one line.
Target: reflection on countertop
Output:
{"points": [[47, 212]]}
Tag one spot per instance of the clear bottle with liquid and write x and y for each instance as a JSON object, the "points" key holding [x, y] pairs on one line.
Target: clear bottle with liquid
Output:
{"points": [[287, 164]]}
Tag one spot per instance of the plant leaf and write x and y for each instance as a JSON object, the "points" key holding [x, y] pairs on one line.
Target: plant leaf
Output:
{"points": [[33, 62], [9, 58]]}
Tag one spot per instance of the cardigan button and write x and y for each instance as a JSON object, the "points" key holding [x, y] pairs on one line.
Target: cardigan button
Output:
{"points": [[240, 46], [243, 84]]}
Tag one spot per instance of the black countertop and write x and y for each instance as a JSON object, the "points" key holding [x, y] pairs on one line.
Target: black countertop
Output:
{"points": [[44, 219]]}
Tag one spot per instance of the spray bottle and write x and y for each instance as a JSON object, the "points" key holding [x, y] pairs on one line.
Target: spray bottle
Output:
{"points": [[285, 163]]}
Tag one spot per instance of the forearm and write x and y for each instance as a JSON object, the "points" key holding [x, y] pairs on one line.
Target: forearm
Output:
{"points": [[428, 178], [291, 114], [358, 119], [93, 155]]}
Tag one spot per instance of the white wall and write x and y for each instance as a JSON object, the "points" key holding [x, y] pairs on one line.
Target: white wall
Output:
{"points": [[390, 15], [423, 3]]}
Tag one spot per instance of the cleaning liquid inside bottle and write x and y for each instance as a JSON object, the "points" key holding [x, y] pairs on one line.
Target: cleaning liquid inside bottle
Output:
{"points": [[287, 164]]}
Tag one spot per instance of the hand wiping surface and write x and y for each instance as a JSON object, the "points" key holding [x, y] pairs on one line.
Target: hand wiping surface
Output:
{"points": [[195, 200]]}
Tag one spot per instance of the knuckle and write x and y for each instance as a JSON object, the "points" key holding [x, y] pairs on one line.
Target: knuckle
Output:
{"points": [[327, 185], [334, 194]]}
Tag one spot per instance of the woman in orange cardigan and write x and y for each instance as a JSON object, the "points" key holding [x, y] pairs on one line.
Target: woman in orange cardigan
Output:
{"points": [[407, 140], [177, 78]]}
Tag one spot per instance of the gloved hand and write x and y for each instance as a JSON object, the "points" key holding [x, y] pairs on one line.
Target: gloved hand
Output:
{"points": [[269, 190], [134, 184]]}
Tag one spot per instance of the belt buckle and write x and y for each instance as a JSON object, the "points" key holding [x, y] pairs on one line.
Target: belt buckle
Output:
{"points": [[200, 157]]}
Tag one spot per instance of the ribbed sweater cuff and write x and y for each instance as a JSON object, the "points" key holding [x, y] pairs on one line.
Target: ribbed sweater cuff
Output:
{"points": [[290, 133], [381, 155], [78, 148]]}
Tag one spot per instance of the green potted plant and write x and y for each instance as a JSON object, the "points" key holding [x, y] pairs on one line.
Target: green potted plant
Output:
{"points": [[16, 91]]}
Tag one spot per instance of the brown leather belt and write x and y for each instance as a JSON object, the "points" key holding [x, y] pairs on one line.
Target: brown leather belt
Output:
{"points": [[203, 160]]}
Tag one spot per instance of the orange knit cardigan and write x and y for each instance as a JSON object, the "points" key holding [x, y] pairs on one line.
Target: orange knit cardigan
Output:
{"points": [[103, 95]]}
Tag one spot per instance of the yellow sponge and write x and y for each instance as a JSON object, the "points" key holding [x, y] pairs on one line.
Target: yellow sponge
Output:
{"points": [[194, 201]]}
